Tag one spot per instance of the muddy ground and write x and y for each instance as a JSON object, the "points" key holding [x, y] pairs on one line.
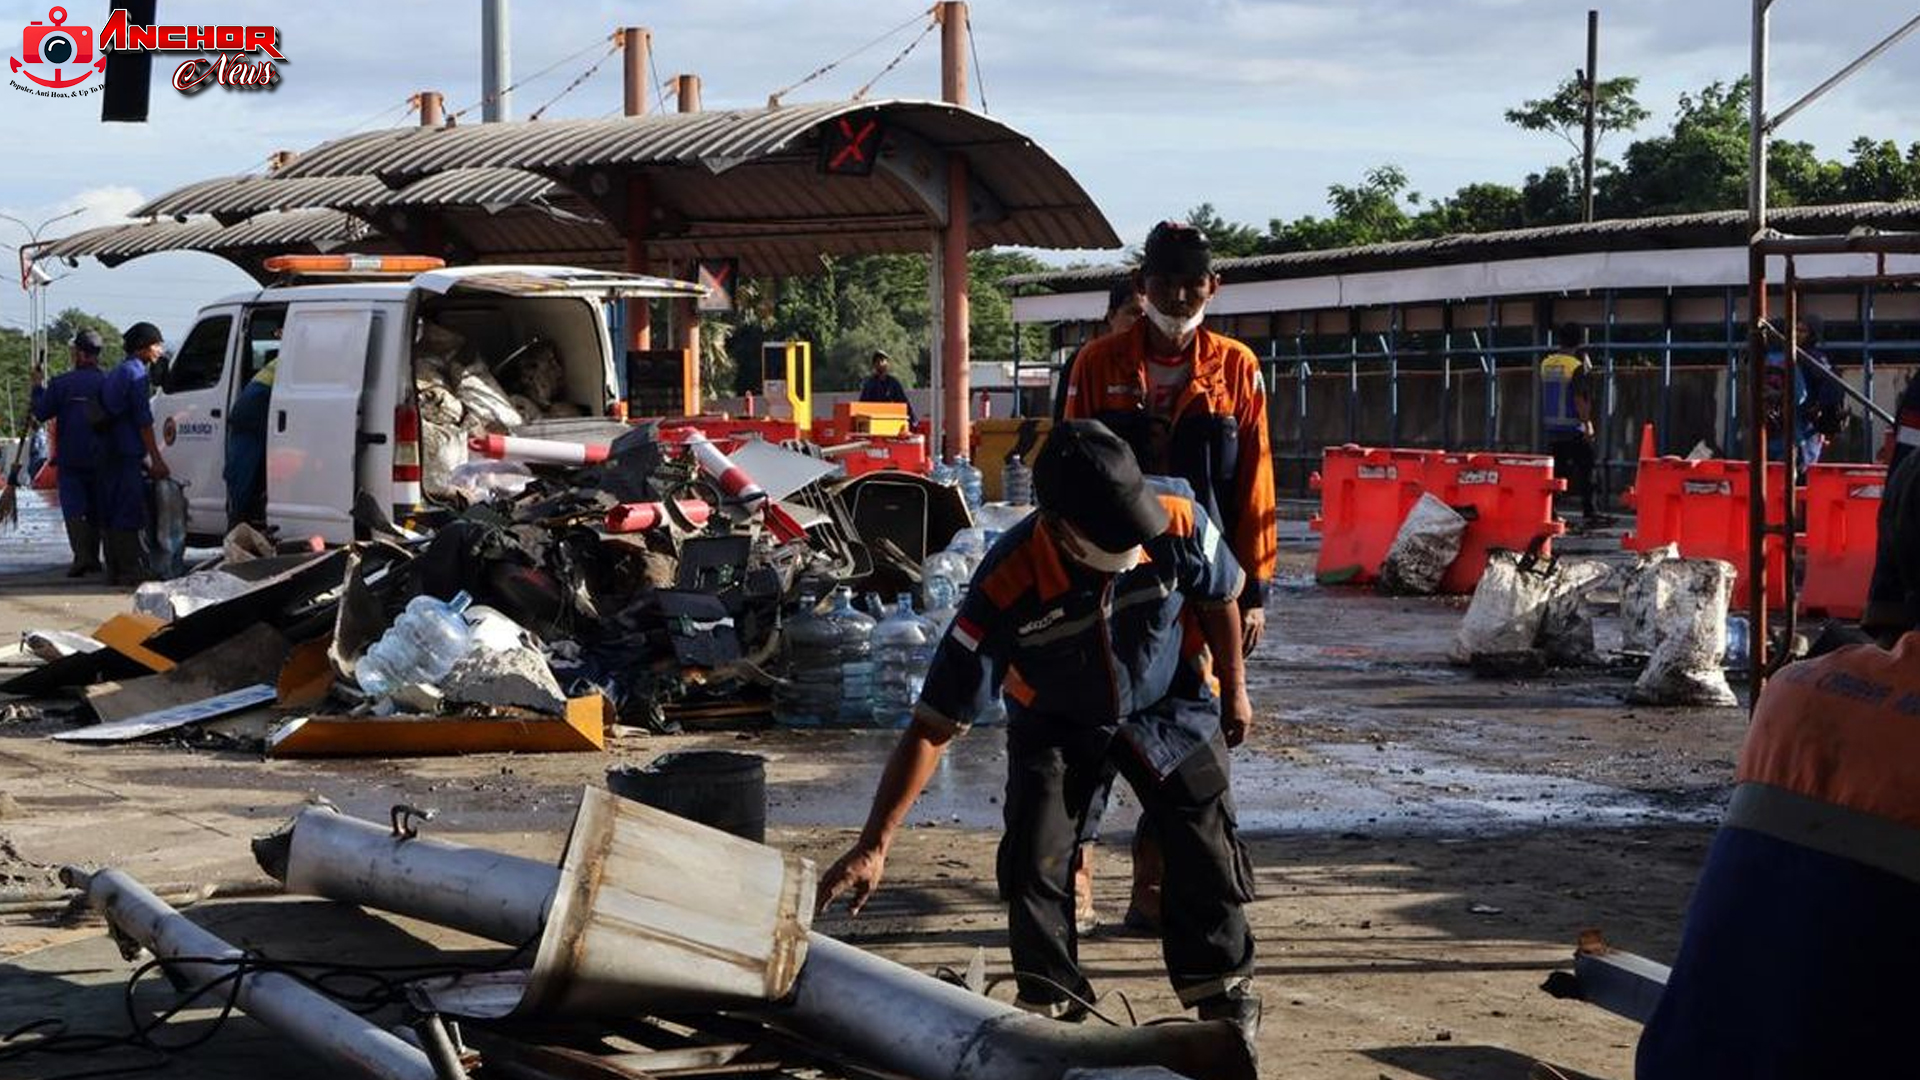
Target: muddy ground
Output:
{"points": [[1429, 844]]}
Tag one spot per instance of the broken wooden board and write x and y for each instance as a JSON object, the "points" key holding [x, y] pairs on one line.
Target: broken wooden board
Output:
{"points": [[583, 728], [167, 719], [127, 634]]}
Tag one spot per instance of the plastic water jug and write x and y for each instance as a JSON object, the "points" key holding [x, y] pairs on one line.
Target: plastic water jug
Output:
{"points": [[1738, 632], [902, 651], [810, 694], [421, 646], [854, 656], [970, 480], [942, 472], [1016, 482]]}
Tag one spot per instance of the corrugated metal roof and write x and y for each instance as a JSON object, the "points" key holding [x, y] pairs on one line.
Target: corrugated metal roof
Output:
{"points": [[1719, 228], [753, 163], [240, 197], [313, 229]]}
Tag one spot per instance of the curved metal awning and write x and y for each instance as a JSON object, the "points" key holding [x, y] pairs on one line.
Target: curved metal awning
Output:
{"points": [[247, 244], [743, 184]]}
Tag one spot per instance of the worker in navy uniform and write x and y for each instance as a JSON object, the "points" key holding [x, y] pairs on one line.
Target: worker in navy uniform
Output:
{"points": [[72, 402], [884, 386], [129, 445], [1096, 616]]}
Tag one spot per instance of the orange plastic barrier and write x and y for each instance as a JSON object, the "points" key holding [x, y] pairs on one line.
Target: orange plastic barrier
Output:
{"points": [[1843, 530], [1365, 493], [907, 452], [728, 432], [1702, 506], [1512, 500]]}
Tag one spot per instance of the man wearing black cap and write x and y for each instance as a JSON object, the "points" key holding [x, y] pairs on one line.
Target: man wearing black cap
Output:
{"points": [[125, 398], [1095, 617], [884, 386], [72, 402], [1800, 941], [1192, 404]]}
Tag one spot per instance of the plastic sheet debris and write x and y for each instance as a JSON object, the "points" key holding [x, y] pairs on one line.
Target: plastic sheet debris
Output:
{"points": [[244, 543], [58, 644], [1424, 548], [168, 600], [475, 482], [166, 534]]}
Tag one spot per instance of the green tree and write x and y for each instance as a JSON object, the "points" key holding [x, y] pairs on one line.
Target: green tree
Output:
{"points": [[1229, 239], [1701, 163], [61, 331], [1564, 112]]}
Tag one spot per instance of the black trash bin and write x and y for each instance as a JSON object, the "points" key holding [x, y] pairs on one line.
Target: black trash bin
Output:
{"points": [[721, 788]]}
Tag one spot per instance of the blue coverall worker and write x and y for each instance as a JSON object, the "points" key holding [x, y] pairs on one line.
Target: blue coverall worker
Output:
{"points": [[246, 466], [882, 386], [125, 398], [1566, 415], [1095, 617], [72, 401], [1192, 404], [1799, 946]]}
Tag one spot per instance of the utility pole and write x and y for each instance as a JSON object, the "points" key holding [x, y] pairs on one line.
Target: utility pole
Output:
{"points": [[952, 243], [1591, 80], [637, 314], [686, 313], [496, 65]]}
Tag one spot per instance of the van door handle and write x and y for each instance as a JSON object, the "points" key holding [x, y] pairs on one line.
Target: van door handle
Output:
{"points": [[215, 413], [281, 423]]}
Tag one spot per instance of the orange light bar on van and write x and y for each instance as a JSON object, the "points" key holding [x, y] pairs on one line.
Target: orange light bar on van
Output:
{"points": [[353, 264]]}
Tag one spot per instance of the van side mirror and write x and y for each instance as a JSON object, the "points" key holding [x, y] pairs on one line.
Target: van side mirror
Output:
{"points": [[157, 372]]}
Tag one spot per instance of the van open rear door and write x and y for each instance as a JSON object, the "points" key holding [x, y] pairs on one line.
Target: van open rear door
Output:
{"points": [[313, 429], [555, 281]]}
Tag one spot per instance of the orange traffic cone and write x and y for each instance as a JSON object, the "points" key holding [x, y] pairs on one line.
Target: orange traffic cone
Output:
{"points": [[1648, 447]]}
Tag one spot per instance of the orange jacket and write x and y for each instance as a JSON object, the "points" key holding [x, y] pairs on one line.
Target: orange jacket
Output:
{"points": [[1110, 375]]}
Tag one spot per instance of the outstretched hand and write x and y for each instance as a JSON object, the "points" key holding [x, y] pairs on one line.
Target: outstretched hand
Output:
{"points": [[856, 874]]}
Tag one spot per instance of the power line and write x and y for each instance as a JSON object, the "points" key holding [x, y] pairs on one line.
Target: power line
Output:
{"points": [[774, 98], [612, 48], [895, 62], [979, 75], [517, 84]]}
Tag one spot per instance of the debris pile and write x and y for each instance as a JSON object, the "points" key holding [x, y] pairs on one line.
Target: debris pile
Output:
{"points": [[638, 573]]}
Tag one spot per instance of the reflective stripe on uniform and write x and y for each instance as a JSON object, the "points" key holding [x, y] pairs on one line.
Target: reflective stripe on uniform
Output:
{"points": [[1823, 826]]}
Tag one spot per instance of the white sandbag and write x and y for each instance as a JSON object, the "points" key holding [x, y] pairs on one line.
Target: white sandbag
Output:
{"points": [[535, 371], [1641, 599], [439, 404], [1566, 627], [443, 448], [1506, 611], [244, 543], [1691, 634], [529, 409], [1423, 549], [482, 394]]}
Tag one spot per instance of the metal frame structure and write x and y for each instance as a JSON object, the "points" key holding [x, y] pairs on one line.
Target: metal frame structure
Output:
{"points": [[1763, 243]]}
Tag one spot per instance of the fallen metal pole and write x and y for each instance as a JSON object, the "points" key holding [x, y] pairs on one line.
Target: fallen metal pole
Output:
{"points": [[872, 1009], [304, 1017]]}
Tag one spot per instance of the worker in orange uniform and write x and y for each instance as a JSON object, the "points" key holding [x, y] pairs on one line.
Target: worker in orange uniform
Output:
{"points": [[1800, 941], [1192, 404]]}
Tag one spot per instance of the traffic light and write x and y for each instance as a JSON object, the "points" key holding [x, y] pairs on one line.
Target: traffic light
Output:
{"points": [[129, 72]]}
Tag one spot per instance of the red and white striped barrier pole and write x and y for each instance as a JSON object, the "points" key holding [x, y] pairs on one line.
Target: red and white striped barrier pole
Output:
{"points": [[639, 517], [545, 451], [733, 480]]}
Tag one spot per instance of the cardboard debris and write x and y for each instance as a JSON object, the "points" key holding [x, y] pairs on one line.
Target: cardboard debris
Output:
{"points": [[583, 728], [127, 634], [167, 719]]}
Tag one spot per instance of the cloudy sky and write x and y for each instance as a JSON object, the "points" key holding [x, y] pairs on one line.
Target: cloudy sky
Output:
{"points": [[1255, 105]]}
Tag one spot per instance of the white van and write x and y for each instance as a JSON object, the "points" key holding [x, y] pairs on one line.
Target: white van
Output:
{"points": [[344, 416]]}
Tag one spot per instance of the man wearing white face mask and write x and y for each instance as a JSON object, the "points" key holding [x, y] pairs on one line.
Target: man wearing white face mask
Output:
{"points": [[1192, 404], [1095, 618]]}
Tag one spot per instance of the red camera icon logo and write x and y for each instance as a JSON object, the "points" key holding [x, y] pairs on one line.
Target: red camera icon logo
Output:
{"points": [[57, 44]]}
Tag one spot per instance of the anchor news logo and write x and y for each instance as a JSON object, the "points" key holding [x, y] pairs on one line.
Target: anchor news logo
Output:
{"points": [[58, 58]]}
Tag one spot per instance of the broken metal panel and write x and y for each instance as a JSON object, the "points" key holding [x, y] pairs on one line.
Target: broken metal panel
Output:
{"points": [[152, 723], [653, 911], [582, 729], [305, 1018]]}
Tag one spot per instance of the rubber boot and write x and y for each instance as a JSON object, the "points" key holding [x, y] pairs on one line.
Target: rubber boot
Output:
{"points": [[84, 539], [126, 559]]}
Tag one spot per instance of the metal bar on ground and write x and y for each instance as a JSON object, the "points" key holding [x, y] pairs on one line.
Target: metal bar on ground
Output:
{"points": [[1621, 983], [305, 1018]]}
